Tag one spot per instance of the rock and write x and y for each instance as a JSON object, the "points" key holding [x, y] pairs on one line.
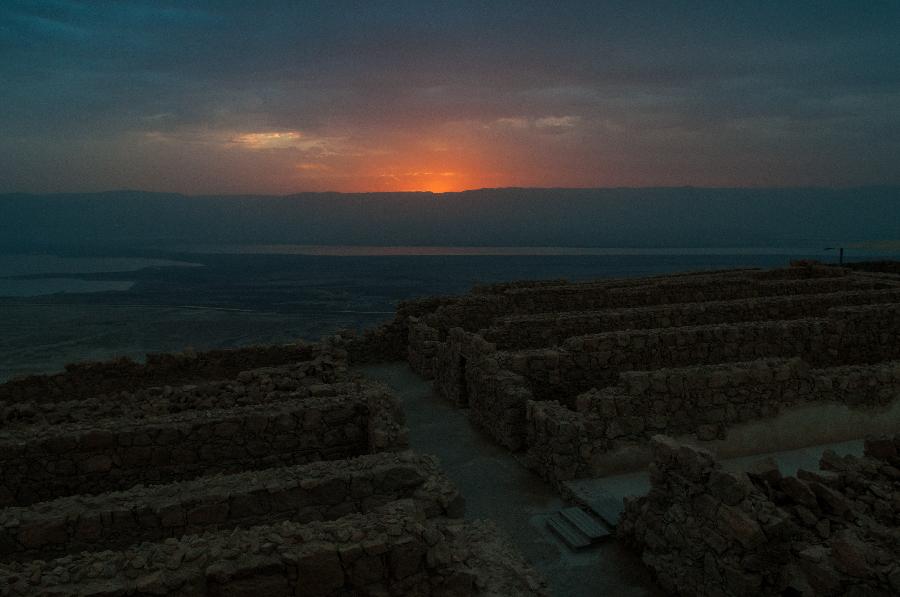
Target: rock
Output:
{"points": [[799, 492], [765, 469], [734, 523], [731, 488], [849, 554]]}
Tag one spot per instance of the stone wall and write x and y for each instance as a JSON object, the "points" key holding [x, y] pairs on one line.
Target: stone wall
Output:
{"points": [[387, 342], [316, 491], [548, 329], [501, 287], [802, 270], [140, 488], [497, 400], [865, 334], [705, 531], [482, 311], [474, 312], [41, 463], [451, 360], [391, 552], [423, 341], [323, 376], [712, 288], [384, 343], [497, 384], [755, 273], [85, 380], [699, 402], [468, 373]]}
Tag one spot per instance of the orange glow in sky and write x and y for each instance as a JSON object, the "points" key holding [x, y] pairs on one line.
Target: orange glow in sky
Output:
{"points": [[184, 97], [390, 164]]}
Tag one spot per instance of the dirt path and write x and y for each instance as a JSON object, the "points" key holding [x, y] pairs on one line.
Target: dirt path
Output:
{"points": [[499, 488]]}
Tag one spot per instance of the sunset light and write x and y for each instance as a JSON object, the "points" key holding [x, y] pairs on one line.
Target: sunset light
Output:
{"points": [[437, 97], [427, 298]]}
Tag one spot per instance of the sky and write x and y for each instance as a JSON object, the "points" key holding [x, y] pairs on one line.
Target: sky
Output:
{"points": [[282, 97]]}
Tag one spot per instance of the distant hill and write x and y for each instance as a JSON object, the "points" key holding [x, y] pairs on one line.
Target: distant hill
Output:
{"points": [[653, 217]]}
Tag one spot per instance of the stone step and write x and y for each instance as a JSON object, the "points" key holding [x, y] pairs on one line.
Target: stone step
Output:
{"points": [[608, 508], [572, 537], [586, 524]]}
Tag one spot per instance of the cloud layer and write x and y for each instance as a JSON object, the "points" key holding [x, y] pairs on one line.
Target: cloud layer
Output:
{"points": [[277, 97]]}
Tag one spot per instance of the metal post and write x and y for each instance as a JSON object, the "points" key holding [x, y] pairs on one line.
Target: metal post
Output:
{"points": [[840, 253]]}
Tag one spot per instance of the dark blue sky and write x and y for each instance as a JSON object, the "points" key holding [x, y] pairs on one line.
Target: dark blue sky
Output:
{"points": [[276, 97]]}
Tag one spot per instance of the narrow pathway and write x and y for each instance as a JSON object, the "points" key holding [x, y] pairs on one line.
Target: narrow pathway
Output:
{"points": [[499, 488]]}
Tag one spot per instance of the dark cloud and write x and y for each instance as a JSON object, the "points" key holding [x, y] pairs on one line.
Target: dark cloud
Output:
{"points": [[100, 93]]}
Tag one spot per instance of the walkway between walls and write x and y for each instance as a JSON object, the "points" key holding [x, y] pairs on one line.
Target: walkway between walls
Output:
{"points": [[497, 487]]}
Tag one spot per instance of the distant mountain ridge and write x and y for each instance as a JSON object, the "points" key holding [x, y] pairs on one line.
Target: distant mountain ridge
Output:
{"points": [[612, 217]]}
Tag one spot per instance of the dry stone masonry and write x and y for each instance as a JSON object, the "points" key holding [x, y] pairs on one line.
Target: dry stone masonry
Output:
{"points": [[258, 471], [395, 551], [315, 491], [579, 378], [701, 403], [706, 531], [277, 471], [541, 366], [548, 329], [84, 380]]}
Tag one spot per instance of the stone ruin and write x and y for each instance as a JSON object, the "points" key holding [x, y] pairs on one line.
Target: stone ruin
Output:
{"points": [[257, 471], [708, 531], [577, 377], [277, 470]]}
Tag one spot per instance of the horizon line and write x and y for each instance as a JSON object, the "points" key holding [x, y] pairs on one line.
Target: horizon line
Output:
{"points": [[473, 190]]}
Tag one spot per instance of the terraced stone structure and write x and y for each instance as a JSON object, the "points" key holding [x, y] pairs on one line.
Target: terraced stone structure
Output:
{"points": [[268, 470], [579, 376]]}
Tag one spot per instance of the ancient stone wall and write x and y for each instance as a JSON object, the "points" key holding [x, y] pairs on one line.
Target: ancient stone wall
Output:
{"points": [[316, 491], [848, 335], [423, 341], [41, 463], [481, 311], [705, 531], [474, 312], [713, 288], [156, 488], [820, 271], [548, 329], [387, 342], [380, 344], [501, 287], [800, 272], [497, 399], [322, 376], [451, 361], [420, 337], [468, 370], [390, 552], [85, 380], [701, 402]]}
